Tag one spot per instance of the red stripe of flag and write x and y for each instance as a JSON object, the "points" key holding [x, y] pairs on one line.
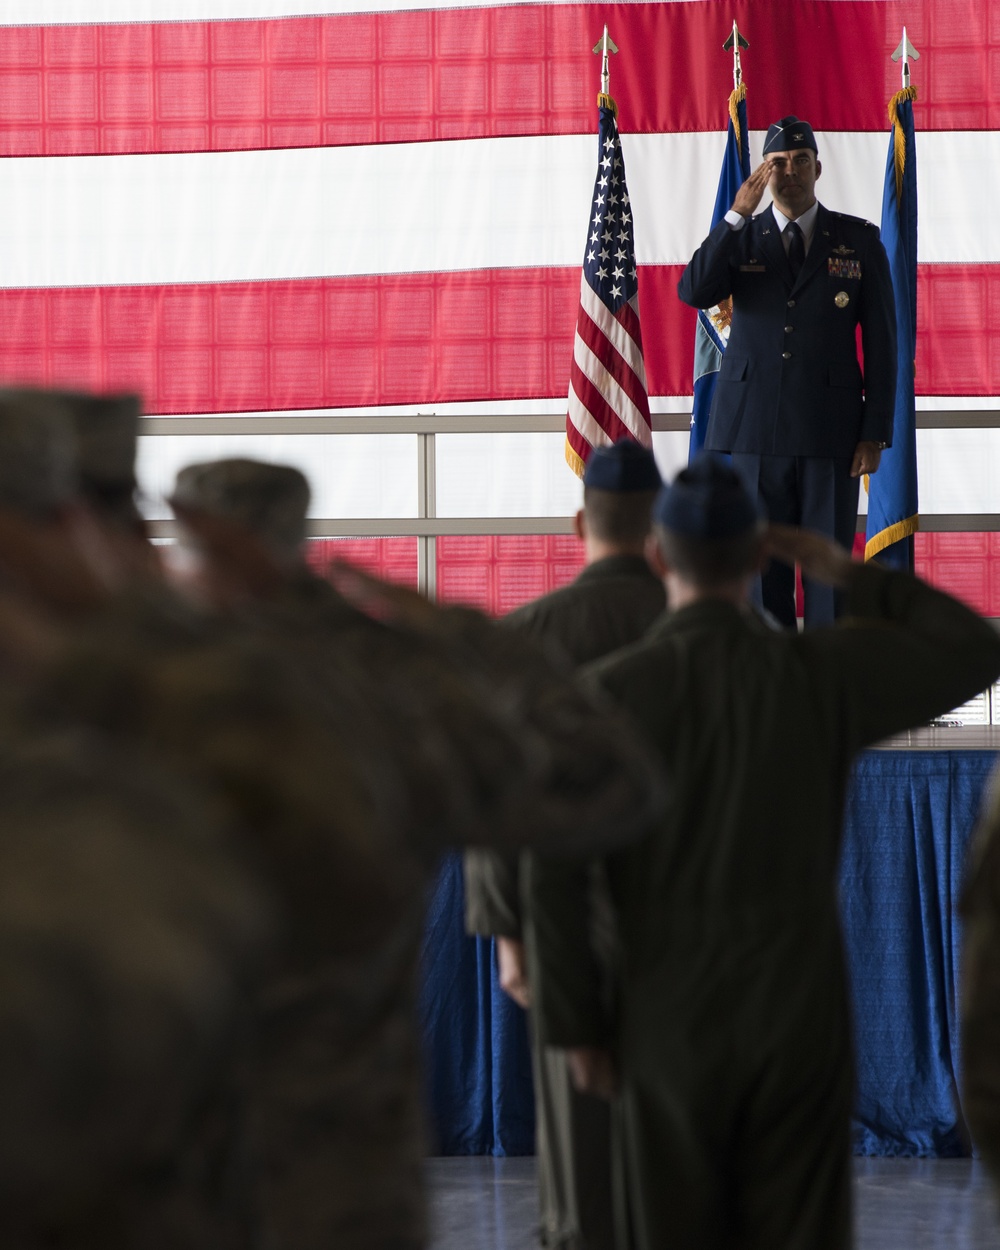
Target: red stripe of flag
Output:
{"points": [[612, 360], [347, 342], [409, 76], [598, 407]]}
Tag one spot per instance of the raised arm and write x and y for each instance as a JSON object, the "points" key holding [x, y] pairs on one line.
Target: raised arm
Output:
{"points": [[904, 651], [706, 280]]}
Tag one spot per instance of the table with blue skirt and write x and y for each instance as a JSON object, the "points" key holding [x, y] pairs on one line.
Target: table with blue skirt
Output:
{"points": [[910, 816]]}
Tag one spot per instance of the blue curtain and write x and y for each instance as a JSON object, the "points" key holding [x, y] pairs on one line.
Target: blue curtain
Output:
{"points": [[478, 1064], [909, 818]]}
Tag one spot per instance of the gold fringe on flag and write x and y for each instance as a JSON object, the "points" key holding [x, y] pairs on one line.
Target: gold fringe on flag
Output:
{"points": [[573, 460], [606, 102], [892, 534], [737, 96], [899, 139]]}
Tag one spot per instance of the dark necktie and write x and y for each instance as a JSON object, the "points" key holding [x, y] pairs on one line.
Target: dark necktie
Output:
{"points": [[796, 248]]}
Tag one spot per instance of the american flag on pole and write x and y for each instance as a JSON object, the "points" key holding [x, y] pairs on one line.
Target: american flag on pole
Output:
{"points": [[607, 389]]}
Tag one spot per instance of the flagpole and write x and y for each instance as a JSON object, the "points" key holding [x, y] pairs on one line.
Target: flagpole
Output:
{"points": [[736, 42], [604, 46]]}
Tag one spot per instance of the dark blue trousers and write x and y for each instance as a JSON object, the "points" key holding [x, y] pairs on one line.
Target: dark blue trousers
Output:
{"points": [[815, 494]]}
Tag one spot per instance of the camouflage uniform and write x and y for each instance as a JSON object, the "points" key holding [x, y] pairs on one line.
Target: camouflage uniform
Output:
{"points": [[218, 706], [129, 936]]}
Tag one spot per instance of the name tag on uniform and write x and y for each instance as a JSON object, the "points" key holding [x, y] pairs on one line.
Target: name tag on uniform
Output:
{"points": [[753, 267], [840, 267]]}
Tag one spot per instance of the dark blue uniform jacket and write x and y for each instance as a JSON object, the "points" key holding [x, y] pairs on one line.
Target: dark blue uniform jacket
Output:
{"points": [[791, 383]]}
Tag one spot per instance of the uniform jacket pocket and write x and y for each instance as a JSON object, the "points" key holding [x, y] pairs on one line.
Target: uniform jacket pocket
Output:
{"points": [[734, 368]]}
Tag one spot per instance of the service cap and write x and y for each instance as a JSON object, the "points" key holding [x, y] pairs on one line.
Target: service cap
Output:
{"points": [[624, 466], [706, 500], [788, 134], [271, 500]]}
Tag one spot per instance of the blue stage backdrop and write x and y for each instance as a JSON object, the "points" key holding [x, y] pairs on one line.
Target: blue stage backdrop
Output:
{"points": [[910, 815]]}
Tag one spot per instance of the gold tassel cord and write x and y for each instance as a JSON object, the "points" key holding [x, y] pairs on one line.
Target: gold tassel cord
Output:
{"points": [[899, 139], [573, 460], [606, 102], [736, 97], [892, 534]]}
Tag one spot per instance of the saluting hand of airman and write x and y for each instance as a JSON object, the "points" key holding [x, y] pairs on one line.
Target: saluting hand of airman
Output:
{"points": [[752, 191], [819, 557]]}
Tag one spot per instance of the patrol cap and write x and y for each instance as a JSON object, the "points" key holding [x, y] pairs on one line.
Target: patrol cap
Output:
{"points": [[706, 500], [271, 500], [107, 435], [788, 134], [105, 430], [624, 466], [37, 461]]}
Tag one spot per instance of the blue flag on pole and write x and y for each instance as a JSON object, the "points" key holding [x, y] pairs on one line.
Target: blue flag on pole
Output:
{"points": [[892, 492], [712, 332]]}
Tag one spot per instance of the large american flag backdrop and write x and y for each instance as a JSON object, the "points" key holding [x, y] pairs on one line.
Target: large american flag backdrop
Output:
{"points": [[277, 206]]}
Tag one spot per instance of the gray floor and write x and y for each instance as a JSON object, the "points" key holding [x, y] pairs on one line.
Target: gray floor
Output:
{"points": [[902, 1204]]}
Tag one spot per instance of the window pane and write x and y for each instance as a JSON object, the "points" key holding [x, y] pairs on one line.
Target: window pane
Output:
{"points": [[670, 447], [511, 475], [351, 475], [958, 470], [504, 475]]}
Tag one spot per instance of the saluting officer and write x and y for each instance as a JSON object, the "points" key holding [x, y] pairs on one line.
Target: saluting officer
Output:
{"points": [[801, 417]]}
